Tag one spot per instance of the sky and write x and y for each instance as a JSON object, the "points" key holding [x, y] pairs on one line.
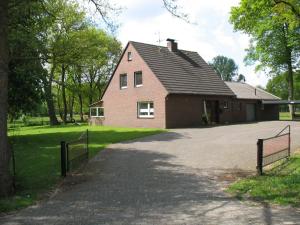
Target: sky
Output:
{"points": [[210, 35]]}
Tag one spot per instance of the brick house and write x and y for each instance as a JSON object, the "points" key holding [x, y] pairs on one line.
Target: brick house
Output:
{"points": [[164, 87]]}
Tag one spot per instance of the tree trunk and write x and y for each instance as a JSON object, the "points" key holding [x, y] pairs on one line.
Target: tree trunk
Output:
{"points": [[80, 105], [71, 106], [291, 88], [6, 184], [49, 97], [58, 104], [63, 92], [288, 55]]}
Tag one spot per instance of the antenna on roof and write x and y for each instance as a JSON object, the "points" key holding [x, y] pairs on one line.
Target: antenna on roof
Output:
{"points": [[159, 41]]}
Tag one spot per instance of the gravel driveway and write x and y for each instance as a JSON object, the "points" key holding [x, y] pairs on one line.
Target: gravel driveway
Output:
{"points": [[171, 178]]}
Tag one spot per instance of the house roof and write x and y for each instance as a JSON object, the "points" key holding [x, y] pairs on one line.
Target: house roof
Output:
{"points": [[246, 91], [182, 72]]}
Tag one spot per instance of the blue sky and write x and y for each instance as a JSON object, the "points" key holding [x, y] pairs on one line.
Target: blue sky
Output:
{"points": [[212, 35]]}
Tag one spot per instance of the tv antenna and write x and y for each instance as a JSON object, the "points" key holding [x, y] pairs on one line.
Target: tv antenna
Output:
{"points": [[159, 41]]}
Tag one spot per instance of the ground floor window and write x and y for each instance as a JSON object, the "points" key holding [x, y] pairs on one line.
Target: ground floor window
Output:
{"points": [[145, 109], [97, 112]]}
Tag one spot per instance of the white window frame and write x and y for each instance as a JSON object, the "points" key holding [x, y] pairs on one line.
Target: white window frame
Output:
{"points": [[138, 85], [121, 75], [97, 112], [149, 110]]}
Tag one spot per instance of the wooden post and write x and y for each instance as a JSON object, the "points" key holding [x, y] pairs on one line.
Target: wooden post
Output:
{"points": [[259, 157], [67, 158], [63, 158]]}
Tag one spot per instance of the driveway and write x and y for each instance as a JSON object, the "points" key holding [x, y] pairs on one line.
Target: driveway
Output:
{"points": [[171, 178]]}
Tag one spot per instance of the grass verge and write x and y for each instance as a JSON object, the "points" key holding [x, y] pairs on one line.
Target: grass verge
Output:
{"points": [[37, 155], [280, 185]]}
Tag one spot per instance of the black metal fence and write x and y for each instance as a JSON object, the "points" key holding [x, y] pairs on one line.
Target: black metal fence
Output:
{"points": [[273, 149], [74, 153]]}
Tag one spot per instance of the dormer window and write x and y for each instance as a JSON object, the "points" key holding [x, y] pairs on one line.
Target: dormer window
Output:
{"points": [[138, 79], [123, 81], [129, 56]]}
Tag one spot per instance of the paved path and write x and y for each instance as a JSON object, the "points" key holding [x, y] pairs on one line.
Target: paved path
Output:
{"points": [[171, 178]]}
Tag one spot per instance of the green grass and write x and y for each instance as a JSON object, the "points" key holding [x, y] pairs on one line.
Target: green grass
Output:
{"points": [[280, 185], [37, 154], [287, 116], [24, 121]]}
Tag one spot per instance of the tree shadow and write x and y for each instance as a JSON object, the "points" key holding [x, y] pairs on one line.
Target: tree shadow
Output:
{"points": [[127, 186]]}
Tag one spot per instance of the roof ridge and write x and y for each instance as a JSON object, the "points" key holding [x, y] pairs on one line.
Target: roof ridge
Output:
{"points": [[160, 46]]}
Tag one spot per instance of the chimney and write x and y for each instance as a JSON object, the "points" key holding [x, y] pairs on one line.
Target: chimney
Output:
{"points": [[172, 45]]}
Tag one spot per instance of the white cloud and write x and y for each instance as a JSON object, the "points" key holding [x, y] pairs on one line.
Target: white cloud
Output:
{"points": [[213, 35]]}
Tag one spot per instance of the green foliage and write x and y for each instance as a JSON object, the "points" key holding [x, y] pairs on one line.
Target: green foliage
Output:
{"points": [[278, 85], [37, 153], [279, 186], [226, 68], [25, 66], [274, 41]]}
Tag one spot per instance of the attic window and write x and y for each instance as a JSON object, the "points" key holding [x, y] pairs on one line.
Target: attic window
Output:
{"points": [[129, 56]]}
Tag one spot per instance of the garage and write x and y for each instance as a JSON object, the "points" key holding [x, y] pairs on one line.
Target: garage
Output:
{"points": [[250, 112]]}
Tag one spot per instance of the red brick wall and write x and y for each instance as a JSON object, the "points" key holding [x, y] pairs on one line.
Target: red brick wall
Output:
{"points": [[187, 110], [120, 106]]}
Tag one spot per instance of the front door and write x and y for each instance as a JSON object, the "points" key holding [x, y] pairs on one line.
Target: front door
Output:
{"points": [[212, 108]]}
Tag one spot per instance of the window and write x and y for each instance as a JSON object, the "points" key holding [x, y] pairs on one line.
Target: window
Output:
{"points": [[129, 56], [145, 110], [97, 112], [138, 79], [225, 105], [123, 81]]}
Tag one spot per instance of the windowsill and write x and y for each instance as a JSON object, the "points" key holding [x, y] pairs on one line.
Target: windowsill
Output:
{"points": [[123, 88], [140, 85], [97, 116], [145, 117]]}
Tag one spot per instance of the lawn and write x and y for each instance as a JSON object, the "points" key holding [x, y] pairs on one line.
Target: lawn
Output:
{"points": [[280, 185], [287, 116], [37, 154]]}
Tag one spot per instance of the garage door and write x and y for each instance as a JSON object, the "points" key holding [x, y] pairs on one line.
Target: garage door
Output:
{"points": [[250, 110]]}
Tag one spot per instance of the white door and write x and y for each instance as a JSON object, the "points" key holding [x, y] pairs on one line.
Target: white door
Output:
{"points": [[250, 112]]}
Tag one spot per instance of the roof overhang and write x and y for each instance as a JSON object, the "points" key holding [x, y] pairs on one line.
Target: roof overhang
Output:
{"points": [[280, 102], [100, 102]]}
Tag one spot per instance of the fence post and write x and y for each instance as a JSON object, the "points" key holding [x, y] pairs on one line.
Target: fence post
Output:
{"points": [[67, 158], [259, 157], [63, 158]]}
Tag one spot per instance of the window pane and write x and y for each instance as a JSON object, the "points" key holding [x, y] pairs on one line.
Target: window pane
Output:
{"points": [[123, 80], [93, 111], [100, 111], [138, 78], [129, 56]]}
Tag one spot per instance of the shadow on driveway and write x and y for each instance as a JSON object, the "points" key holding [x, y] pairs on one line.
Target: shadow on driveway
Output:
{"points": [[127, 186]]}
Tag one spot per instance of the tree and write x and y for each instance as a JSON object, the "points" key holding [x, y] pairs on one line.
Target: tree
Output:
{"points": [[278, 85], [103, 7], [274, 39], [225, 67], [5, 153]]}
